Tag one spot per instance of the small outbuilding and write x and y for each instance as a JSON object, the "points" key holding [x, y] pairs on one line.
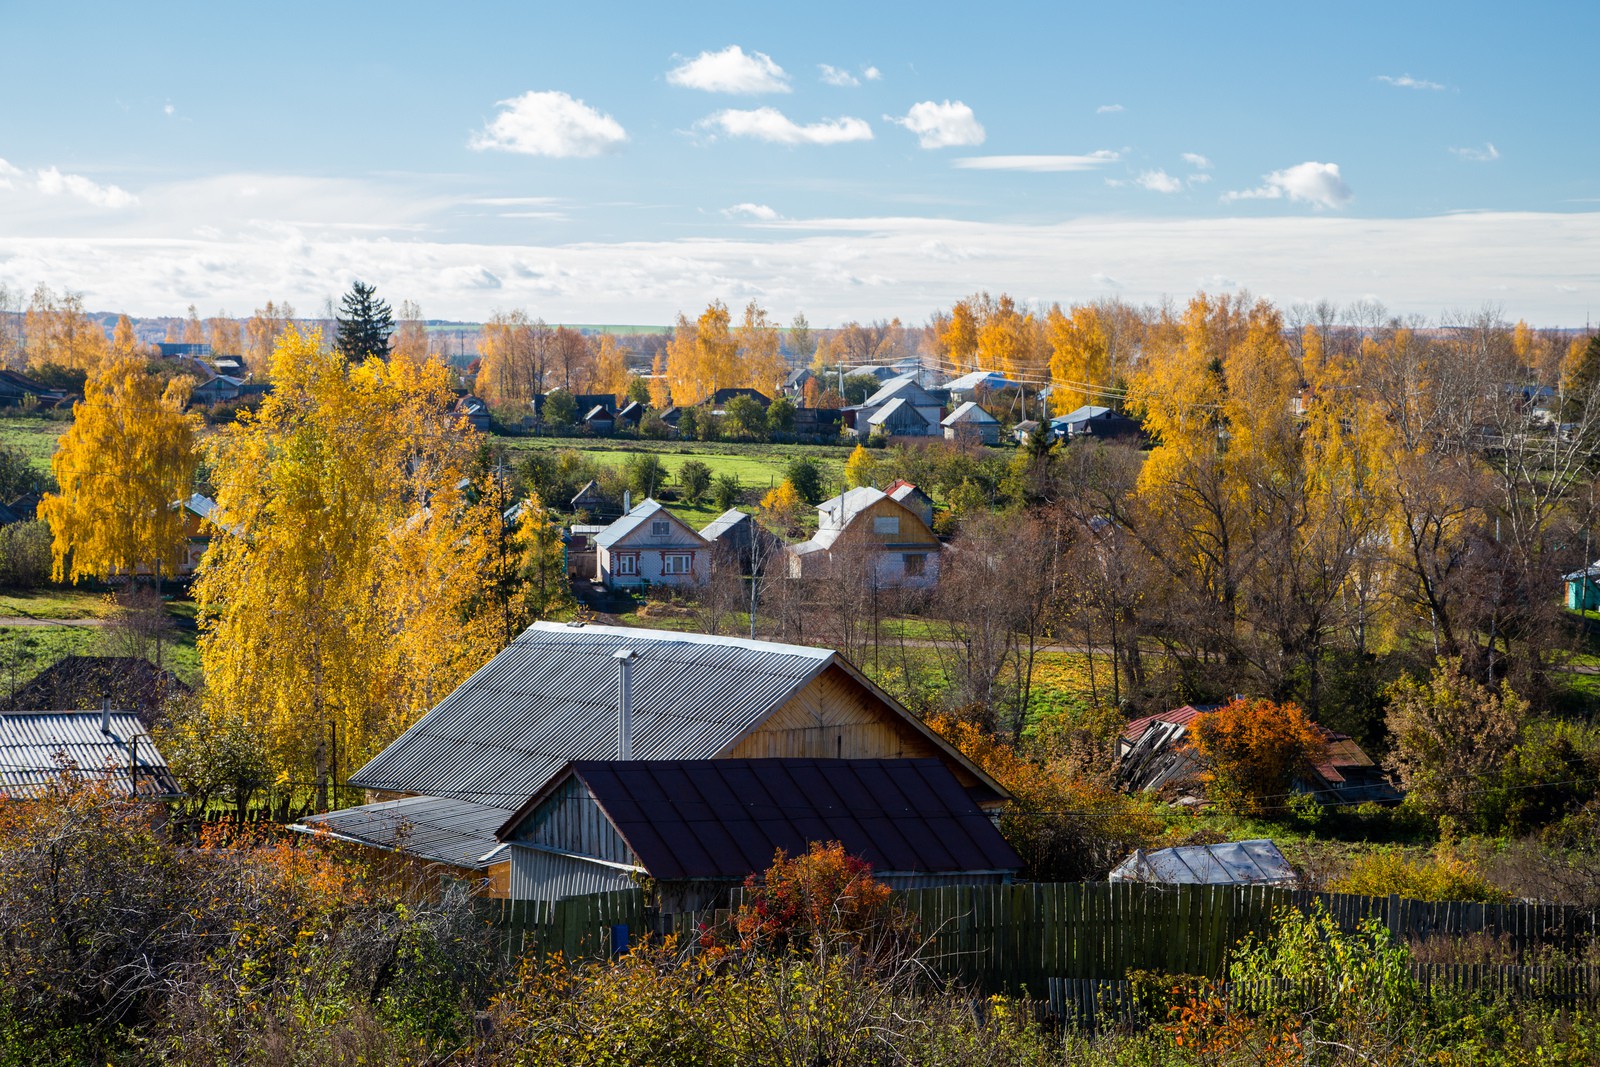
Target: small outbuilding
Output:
{"points": [[37, 748], [1583, 588], [969, 422], [1254, 862]]}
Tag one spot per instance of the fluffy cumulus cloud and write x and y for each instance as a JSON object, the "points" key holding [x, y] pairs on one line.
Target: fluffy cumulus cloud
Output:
{"points": [[52, 182], [732, 70], [1406, 81], [1317, 184], [942, 125], [837, 76], [770, 124], [1487, 154], [551, 124], [1158, 181], [1197, 161], [760, 212], [1039, 164], [7, 172]]}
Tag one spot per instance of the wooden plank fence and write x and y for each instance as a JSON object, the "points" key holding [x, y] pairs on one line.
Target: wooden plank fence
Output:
{"points": [[1018, 939], [1099, 1002]]}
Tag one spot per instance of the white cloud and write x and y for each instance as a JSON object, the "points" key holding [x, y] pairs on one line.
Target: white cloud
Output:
{"points": [[1158, 181], [770, 124], [52, 182], [1197, 161], [169, 110], [1198, 179], [1406, 81], [754, 211], [836, 269], [1487, 154], [1317, 184], [1109, 109], [549, 124], [942, 125], [7, 172], [834, 76], [872, 74], [731, 70], [1039, 164]]}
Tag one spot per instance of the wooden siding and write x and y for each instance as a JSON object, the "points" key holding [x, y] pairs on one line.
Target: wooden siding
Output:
{"points": [[572, 821], [833, 718], [913, 531]]}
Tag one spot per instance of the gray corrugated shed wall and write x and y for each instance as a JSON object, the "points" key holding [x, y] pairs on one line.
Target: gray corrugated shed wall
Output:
{"points": [[537, 875], [551, 697]]}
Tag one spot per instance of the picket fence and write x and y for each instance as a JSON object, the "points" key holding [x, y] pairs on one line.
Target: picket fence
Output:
{"points": [[1018, 939]]}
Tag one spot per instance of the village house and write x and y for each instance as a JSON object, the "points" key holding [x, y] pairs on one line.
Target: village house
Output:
{"points": [[599, 421], [900, 407], [649, 546], [972, 385], [970, 423], [736, 535], [902, 550], [473, 411], [912, 497], [1092, 420], [199, 524], [445, 790], [131, 683]]}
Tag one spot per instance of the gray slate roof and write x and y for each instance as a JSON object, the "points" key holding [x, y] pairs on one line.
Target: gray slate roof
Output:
{"points": [[34, 744], [1255, 862], [551, 697], [457, 832], [969, 411], [643, 511], [723, 523]]}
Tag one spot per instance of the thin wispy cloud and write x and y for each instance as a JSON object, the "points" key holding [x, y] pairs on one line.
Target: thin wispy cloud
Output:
{"points": [[942, 125], [1196, 160], [760, 212], [168, 110], [7, 172], [1039, 164], [1406, 81], [1317, 184], [770, 124], [732, 70], [1487, 154], [549, 124], [832, 75], [1109, 109], [52, 182]]}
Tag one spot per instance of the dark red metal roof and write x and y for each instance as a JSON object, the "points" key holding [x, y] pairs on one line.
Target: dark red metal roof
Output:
{"points": [[689, 819]]}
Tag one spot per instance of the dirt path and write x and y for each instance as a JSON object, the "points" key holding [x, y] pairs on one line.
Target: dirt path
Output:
{"points": [[29, 620]]}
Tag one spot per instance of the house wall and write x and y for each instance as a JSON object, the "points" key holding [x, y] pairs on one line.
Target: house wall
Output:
{"points": [[571, 821], [833, 717], [985, 432], [536, 875], [650, 552]]}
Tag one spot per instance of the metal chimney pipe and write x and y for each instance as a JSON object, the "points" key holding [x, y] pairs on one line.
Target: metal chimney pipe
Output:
{"points": [[624, 658], [627, 501], [105, 715]]}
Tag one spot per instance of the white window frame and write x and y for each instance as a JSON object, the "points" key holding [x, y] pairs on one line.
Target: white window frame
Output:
{"points": [[671, 562], [627, 565], [660, 527]]}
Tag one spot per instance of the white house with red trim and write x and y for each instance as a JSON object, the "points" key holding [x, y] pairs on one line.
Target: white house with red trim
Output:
{"points": [[651, 546]]}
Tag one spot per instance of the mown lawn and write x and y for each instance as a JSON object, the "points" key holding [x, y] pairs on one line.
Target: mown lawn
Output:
{"points": [[69, 603], [33, 435]]}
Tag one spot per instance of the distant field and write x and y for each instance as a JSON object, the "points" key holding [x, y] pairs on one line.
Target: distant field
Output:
{"points": [[34, 435]]}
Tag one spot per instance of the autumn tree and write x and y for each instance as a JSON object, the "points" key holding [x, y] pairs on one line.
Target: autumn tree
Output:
{"points": [[1253, 750], [224, 335], [1080, 358], [129, 455], [573, 360], [802, 339], [60, 334], [611, 367], [364, 324], [859, 467], [1451, 738], [410, 340], [516, 353], [703, 356], [261, 334], [124, 343], [346, 598], [761, 360]]}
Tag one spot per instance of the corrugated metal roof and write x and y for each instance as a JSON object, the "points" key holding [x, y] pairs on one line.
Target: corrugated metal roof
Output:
{"points": [[1255, 862], [972, 379], [551, 697], [691, 819], [457, 832], [36, 746], [723, 523]]}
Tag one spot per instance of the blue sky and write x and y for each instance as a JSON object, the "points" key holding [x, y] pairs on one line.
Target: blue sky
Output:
{"points": [[620, 163]]}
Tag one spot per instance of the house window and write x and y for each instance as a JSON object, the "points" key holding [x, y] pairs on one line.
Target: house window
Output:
{"points": [[627, 565], [660, 528], [676, 563], [886, 524], [914, 562]]}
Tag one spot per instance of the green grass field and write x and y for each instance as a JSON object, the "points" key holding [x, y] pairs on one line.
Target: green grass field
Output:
{"points": [[70, 603], [33, 435]]}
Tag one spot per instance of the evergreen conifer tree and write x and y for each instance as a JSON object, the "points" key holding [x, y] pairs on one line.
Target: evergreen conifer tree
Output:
{"points": [[365, 324]]}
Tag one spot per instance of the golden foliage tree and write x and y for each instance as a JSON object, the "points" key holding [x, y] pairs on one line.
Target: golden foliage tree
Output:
{"points": [[124, 343], [61, 334], [348, 596], [1253, 749], [261, 334], [410, 340], [516, 357], [703, 356], [860, 467], [129, 455], [762, 366], [1080, 357], [611, 367]]}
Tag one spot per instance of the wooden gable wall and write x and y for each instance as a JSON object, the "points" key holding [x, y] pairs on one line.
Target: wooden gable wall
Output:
{"points": [[912, 529]]}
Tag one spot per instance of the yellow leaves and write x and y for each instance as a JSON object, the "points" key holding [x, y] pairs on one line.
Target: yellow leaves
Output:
{"points": [[59, 333], [129, 455], [858, 469], [350, 597], [1080, 357]]}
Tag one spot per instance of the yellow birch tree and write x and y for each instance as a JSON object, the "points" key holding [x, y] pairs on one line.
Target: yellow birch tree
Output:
{"points": [[128, 457]]}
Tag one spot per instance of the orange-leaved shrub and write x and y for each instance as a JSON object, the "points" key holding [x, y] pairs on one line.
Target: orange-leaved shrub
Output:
{"points": [[1253, 749]]}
